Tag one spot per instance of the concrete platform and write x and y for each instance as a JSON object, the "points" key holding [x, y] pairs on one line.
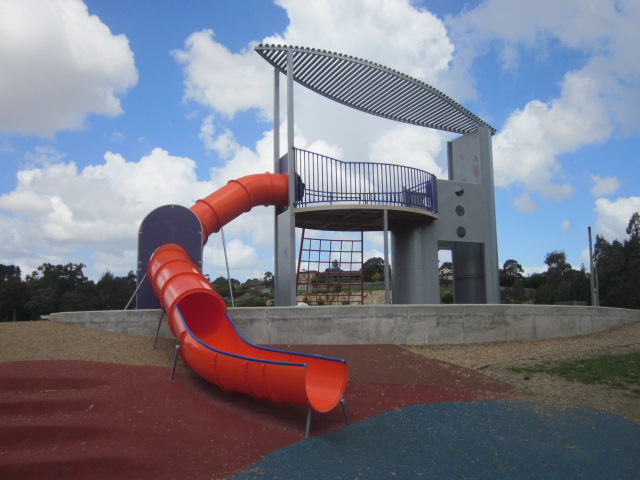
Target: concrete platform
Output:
{"points": [[383, 324]]}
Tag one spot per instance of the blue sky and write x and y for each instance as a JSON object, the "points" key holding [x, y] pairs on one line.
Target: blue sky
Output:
{"points": [[111, 108]]}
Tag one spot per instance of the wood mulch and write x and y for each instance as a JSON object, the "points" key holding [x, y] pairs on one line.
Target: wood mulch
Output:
{"points": [[496, 359]]}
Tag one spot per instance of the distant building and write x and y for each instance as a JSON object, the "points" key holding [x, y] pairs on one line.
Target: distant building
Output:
{"points": [[255, 285]]}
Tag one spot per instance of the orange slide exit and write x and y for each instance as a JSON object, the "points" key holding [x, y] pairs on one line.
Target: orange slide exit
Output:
{"points": [[210, 343]]}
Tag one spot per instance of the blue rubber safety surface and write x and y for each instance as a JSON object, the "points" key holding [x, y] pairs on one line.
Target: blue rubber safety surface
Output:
{"points": [[465, 440]]}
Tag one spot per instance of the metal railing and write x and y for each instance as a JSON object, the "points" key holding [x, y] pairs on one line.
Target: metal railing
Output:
{"points": [[324, 180]]}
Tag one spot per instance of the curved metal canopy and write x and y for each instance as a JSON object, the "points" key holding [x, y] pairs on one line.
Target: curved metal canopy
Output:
{"points": [[373, 88]]}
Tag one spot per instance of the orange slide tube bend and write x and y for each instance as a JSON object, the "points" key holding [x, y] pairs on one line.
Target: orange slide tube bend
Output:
{"points": [[210, 343]]}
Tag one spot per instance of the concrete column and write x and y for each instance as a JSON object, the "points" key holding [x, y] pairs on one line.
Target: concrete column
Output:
{"points": [[415, 266]]}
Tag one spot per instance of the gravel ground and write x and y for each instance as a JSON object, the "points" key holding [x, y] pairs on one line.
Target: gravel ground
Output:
{"points": [[48, 340], [497, 358]]}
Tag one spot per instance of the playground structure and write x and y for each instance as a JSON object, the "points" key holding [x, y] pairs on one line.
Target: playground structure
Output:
{"points": [[317, 192], [197, 316], [422, 213]]}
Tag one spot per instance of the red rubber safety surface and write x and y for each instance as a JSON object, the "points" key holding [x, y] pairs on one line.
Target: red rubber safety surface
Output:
{"points": [[76, 420]]}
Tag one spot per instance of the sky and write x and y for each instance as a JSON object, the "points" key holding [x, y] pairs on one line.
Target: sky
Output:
{"points": [[111, 108]]}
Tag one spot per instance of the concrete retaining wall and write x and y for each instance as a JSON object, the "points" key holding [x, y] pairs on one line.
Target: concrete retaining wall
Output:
{"points": [[380, 324]]}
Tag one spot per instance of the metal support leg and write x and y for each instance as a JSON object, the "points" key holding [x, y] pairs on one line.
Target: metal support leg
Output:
{"points": [[126, 307], [175, 359], [345, 410], [307, 430], [155, 341]]}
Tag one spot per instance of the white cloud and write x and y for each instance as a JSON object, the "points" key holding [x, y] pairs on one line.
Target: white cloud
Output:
{"points": [[76, 66], [525, 204], [240, 255], [224, 81], [57, 209], [224, 144], [584, 258], [603, 186], [612, 217], [394, 33], [565, 225], [528, 271], [410, 146], [526, 150], [595, 100]]}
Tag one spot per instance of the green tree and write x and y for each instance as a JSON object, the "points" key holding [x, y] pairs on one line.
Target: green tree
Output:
{"points": [[13, 294], [561, 282], [50, 288], [114, 292], [510, 272], [335, 267], [221, 285], [372, 267], [269, 279], [618, 268]]}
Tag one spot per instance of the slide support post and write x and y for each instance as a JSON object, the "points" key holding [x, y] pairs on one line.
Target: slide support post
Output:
{"points": [[307, 430], [155, 341], [345, 411], [175, 359]]}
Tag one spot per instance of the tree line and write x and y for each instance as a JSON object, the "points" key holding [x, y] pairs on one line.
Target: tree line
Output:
{"points": [[65, 288], [59, 288], [617, 275]]}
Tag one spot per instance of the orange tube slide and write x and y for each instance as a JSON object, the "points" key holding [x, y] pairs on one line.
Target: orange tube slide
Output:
{"points": [[240, 196], [198, 316]]}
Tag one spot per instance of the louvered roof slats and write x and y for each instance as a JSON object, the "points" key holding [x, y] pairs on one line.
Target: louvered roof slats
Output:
{"points": [[401, 92], [339, 69], [359, 93], [372, 88], [385, 95], [351, 80]]}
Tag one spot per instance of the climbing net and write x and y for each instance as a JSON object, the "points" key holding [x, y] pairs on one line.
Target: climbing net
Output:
{"points": [[330, 271]]}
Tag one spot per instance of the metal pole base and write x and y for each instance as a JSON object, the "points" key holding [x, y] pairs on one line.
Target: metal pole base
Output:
{"points": [[175, 359], [307, 430], [155, 341], [345, 410], [345, 413]]}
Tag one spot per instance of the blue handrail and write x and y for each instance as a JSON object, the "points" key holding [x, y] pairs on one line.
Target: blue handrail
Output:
{"points": [[323, 180]]}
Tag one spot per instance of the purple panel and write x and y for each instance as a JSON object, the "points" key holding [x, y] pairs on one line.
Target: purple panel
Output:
{"points": [[167, 224]]}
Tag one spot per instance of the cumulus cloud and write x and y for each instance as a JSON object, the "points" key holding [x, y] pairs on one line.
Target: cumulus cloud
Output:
{"points": [[394, 33], [603, 186], [612, 217], [526, 150], [411, 146], [62, 210], [223, 143], [226, 82], [76, 66], [594, 101], [525, 204]]}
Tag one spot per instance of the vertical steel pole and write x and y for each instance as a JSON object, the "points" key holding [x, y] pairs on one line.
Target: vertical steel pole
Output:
{"points": [[595, 301], [226, 261], [276, 169], [290, 127], [385, 221], [276, 120]]}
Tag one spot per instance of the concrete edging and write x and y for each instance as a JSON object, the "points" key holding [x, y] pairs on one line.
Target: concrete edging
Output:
{"points": [[383, 324]]}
